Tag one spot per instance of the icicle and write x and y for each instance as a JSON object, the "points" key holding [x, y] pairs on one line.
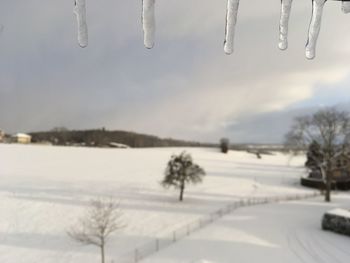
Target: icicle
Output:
{"points": [[80, 12], [285, 14], [148, 22], [231, 20], [314, 29], [346, 7]]}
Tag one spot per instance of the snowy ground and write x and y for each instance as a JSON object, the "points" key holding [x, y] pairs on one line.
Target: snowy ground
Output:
{"points": [[284, 232], [44, 189]]}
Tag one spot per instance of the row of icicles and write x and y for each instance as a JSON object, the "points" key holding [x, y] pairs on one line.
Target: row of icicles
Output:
{"points": [[148, 21]]}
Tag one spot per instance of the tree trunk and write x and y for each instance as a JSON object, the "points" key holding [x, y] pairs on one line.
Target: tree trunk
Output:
{"points": [[102, 253], [328, 186], [182, 188]]}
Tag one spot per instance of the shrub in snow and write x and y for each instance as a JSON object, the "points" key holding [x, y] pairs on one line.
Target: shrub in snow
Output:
{"points": [[181, 171], [224, 145], [337, 220], [258, 155]]}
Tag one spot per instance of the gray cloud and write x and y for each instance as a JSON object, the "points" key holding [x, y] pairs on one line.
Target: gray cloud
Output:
{"points": [[185, 87]]}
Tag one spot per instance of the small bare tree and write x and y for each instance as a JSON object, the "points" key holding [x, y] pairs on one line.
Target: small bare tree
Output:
{"points": [[328, 128], [102, 218]]}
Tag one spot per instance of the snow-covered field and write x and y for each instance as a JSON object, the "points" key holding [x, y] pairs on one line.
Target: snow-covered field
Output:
{"points": [[288, 232], [44, 189]]}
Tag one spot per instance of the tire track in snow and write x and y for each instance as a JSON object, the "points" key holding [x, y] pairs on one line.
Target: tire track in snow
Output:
{"points": [[326, 248], [309, 248], [293, 247], [305, 247], [318, 250]]}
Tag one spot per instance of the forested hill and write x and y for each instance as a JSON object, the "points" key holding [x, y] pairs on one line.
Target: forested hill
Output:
{"points": [[104, 138]]}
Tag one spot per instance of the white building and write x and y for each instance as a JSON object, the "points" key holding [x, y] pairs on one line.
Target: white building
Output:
{"points": [[21, 138]]}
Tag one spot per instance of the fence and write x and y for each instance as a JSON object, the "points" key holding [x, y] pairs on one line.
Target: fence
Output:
{"points": [[160, 243]]}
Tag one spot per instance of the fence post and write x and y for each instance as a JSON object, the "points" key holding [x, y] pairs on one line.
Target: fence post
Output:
{"points": [[157, 244], [136, 256]]}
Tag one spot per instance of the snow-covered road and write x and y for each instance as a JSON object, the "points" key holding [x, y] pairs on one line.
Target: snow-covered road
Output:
{"points": [[283, 232]]}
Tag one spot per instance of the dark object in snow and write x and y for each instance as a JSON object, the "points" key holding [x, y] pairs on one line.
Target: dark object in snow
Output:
{"points": [[337, 222], [181, 171], [320, 184], [340, 172], [224, 145]]}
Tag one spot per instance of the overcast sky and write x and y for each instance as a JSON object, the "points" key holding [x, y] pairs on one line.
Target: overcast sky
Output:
{"points": [[186, 87]]}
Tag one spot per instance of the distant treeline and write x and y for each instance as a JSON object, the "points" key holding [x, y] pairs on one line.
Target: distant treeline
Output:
{"points": [[104, 138]]}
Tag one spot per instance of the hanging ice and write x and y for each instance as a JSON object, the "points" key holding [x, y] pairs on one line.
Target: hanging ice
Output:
{"points": [[284, 21], [314, 29], [80, 12], [231, 20], [148, 22], [346, 7]]}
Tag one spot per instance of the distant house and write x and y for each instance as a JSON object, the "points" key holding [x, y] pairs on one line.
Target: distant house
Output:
{"points": [[2, 135], [340, 174], [342, 167], [21, 138]]}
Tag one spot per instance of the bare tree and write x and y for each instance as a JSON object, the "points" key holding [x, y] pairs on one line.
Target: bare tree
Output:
{"points": [[102, 218], [329, 128], [180, 171]]}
